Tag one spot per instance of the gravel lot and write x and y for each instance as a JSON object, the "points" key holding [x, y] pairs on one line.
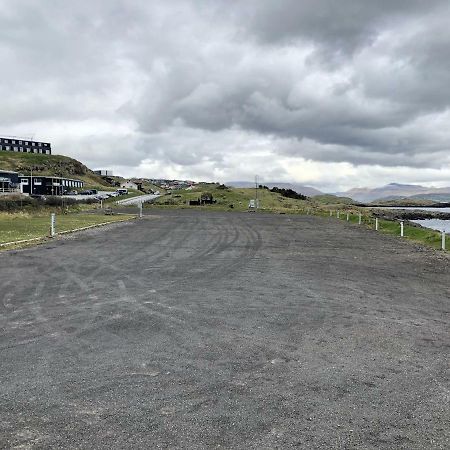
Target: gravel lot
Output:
{"points": [[225, 330]]}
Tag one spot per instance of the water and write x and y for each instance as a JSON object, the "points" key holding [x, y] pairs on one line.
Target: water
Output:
{"points": [[433, 224], [416, 208]]}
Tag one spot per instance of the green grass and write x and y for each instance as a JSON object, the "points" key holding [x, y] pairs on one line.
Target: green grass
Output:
{"points": [[51, 165], [232, 199], [16, 227], [425, 236]]}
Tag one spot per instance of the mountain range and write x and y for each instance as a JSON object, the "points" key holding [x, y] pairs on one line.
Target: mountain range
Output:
{"points": [[392, 191]]}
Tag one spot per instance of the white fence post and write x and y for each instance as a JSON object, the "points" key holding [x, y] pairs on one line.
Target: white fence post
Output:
{"points": [[376, 224], [443, 240], [140, 210], [360, 219], [337, 214], [52, 224], [347, 217], [331, 213], [401, 229]]}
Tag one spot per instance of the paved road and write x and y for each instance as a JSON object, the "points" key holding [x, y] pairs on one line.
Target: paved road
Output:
{"points": [[251, 331], [137, 200]]}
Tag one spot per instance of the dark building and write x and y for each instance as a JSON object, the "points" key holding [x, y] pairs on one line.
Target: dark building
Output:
{"points": [[24, 146], [40, 185], [9, 181]]}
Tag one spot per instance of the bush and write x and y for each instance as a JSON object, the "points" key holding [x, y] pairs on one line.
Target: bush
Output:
{"points": [[288, 193]]}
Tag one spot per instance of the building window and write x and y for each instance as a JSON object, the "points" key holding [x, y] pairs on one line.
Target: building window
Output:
{"points": [[39, 144], [13, 142], [26, 143], [33, 144], [8, 147], [6, 141], [20, 142], [16, 149], [21, 149], [24, 180]]}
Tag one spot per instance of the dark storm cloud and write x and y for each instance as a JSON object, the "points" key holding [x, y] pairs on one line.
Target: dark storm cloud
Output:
{"points": [[186, 83]]}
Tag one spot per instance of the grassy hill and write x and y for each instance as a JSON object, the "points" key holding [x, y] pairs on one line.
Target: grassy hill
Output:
{"points": [[55, 165], [330, 199], [233, 198]]}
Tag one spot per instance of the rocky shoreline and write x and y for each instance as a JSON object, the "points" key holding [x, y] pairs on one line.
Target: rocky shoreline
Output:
{"points": [[398, 214]]}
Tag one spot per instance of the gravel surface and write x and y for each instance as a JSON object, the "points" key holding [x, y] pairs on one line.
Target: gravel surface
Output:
{"points": [[225, 330]]}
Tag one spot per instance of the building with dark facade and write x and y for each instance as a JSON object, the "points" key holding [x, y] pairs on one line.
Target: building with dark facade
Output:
{"points": [[24, 146], [40, 185], [9, 181]]}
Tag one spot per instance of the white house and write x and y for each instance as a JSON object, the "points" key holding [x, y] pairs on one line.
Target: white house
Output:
{"points": [[130, 185]]}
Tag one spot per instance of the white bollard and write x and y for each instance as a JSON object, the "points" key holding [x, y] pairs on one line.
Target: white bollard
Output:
{"points": [[337, 214], [140, 210], [101, 203], [348, 217], [443, 240], [360, 219], [52, 224], [331, 213], [376, 224], [401, 229]]}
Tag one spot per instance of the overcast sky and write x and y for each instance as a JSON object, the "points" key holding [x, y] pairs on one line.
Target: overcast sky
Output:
{"points": [[330, 93]]}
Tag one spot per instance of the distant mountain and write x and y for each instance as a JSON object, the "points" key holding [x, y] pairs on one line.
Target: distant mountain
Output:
{"points": [[394, 191], [305, 190]]}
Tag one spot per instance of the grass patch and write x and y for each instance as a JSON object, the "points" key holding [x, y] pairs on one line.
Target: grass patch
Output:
{"points": [[425, 236], [21, 226]]}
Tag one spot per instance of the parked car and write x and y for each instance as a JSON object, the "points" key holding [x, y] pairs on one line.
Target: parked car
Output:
{"points": [[122, 191]]}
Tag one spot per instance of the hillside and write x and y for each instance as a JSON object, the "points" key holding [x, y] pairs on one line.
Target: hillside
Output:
{"points": [[330, 199], [56, 165], [227, 197]]}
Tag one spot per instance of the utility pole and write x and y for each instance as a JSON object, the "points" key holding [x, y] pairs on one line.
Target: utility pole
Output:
{"points": [[256, 191]]}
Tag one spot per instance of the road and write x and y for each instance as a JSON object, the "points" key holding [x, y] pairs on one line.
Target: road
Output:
{"points": [[137, 200], [225, 330]]}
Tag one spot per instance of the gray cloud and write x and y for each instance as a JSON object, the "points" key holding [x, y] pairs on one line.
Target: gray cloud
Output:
{"points": [[183, 85]]}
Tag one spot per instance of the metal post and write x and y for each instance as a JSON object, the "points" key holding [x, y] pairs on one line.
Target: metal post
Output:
{"points": [[401, 229], [443, 240], [52, 225], [360, 219], [376, 224]]}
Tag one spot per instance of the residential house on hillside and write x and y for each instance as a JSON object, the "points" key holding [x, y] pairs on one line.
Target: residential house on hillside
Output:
{"points": [[129, 184]]}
